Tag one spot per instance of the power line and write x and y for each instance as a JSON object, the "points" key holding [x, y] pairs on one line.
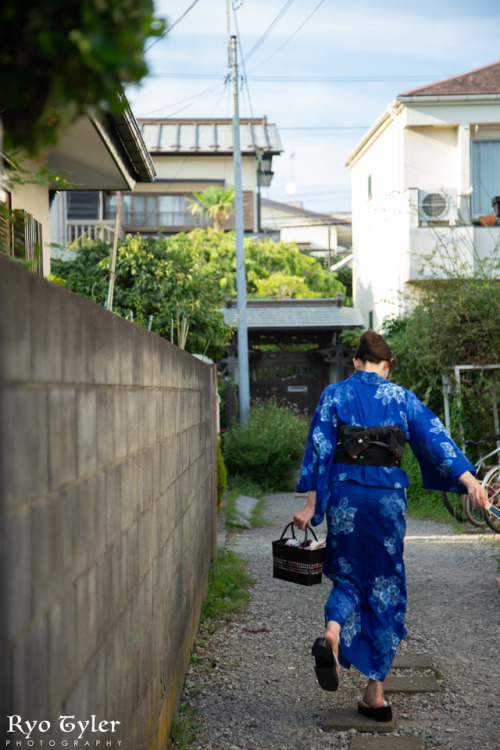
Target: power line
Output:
{"points": [[173, 25], [292, 35], [306, 78], [245, 79], [189, 99], [271, 26]]}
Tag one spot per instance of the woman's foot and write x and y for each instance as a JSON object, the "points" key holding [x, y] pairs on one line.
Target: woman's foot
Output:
{"points": [[374, 694], [332, 635], [381, 713], [327, 666]]}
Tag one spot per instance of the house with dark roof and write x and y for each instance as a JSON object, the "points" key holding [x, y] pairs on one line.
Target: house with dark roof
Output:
{"points": [[423, 180], [188, 155], [320, 235]]}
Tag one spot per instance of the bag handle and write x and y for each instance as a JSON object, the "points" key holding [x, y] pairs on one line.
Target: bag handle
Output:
{"points": [[293, 532]]}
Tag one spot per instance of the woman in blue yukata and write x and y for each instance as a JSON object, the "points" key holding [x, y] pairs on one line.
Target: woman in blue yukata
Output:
{"points": [[351, 471]]}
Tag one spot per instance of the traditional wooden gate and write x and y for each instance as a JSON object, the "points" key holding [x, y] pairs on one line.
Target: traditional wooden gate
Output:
{"points": [[296, 377]]}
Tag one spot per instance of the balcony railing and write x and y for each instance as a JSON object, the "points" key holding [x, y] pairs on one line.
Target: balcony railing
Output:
{"points": [[155, 221], [77, 231], [439, 251], [134, 221]]}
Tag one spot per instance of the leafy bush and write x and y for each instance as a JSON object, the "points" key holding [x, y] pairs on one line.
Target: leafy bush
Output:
{"points": [[269, 446], [452, 321], [73, 59]]}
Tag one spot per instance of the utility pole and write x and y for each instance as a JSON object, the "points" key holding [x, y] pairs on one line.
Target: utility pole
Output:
{"points": [[241, 284]]}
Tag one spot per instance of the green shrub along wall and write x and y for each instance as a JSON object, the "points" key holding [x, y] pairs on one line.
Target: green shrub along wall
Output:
{"points": [[269, 447]]}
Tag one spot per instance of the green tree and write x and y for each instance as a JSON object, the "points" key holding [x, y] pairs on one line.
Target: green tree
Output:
{"points": [[190, 275], [454, 320], [282, 286], [61, 60], [215, 202], [263, 258], [165, 279]]}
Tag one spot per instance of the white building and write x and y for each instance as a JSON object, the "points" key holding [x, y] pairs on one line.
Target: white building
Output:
{"points": [[320, 235], [422, 177]]}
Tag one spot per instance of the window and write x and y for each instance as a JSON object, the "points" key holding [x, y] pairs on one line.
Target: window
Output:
{"points": [[24, 239], [83, 205], [172, 210], [369, 187], [485, 175], [154, 212], [140, 211]]}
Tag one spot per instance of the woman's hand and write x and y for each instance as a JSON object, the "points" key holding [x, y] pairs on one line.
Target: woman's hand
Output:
{"points": [[302, 518], [475, 489]]}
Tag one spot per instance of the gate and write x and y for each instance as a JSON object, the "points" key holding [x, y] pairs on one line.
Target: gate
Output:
{"points": [[296, 377]]}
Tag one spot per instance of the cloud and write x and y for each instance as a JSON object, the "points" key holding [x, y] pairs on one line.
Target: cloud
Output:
{"points": [[419, 43]]}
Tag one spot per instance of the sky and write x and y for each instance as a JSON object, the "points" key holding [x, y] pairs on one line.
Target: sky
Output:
{"points": [[322, 70]]}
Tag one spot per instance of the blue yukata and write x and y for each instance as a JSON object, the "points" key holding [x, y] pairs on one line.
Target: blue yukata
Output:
{"points": [[365, 509]]}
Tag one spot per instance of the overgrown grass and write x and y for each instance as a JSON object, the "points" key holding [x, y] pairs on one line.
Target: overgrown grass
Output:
{"points": [[240, 485], [227, 592], [184, 728]]}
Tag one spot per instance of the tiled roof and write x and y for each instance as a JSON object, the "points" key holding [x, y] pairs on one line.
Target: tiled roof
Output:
{"points": [[485, 80], [296, 314], [326, 218], [213, 136]]}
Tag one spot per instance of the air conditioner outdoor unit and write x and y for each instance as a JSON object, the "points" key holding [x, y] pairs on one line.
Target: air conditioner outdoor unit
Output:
{"points": [[437, 206]]}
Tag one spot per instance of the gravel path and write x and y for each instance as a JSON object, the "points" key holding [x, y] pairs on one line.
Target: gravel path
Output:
{"points": [[254, 687]]}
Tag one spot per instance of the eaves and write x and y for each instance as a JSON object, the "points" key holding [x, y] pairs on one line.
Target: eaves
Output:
{"points": [[376, 130]]}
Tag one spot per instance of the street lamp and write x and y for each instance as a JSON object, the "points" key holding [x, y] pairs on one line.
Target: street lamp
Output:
{"points": [[264, 176]]}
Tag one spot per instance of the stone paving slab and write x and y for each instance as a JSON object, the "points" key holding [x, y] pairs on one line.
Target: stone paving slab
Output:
{"points": [[388, 743], [411, 684], [343, 719], [412, 661], [244, 506]]}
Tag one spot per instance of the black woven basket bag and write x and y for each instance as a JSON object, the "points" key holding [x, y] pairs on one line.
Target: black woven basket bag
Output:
{"points": [[297, 564]]}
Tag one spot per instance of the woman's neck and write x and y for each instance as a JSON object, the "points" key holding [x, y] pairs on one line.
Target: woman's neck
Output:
{"points": [[382, 368]]}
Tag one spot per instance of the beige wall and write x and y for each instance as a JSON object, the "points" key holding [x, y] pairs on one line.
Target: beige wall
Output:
{"points": [[194, 168], [34, 199]]}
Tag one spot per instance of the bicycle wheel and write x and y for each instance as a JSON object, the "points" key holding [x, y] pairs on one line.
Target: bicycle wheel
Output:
{"points": [[491, 483], [453, 504], [473, 513]]}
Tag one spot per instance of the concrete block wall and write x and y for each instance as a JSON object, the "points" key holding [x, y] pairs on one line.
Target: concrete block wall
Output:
{"points": [[108, 515]]}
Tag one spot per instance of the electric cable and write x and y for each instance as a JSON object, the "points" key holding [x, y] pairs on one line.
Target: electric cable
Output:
{"points": [[173, 25], [271, 26], [291, 35], [245, 79], [306, 78], [191, 99]]}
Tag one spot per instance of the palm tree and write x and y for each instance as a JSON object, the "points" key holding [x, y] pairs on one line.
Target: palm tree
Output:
{"points": [[215, 202]]}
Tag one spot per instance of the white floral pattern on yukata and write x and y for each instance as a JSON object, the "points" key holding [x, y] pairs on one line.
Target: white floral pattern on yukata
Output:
{"points": [[386, 593], [351, 627], [342, 518], [365, 509]]}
